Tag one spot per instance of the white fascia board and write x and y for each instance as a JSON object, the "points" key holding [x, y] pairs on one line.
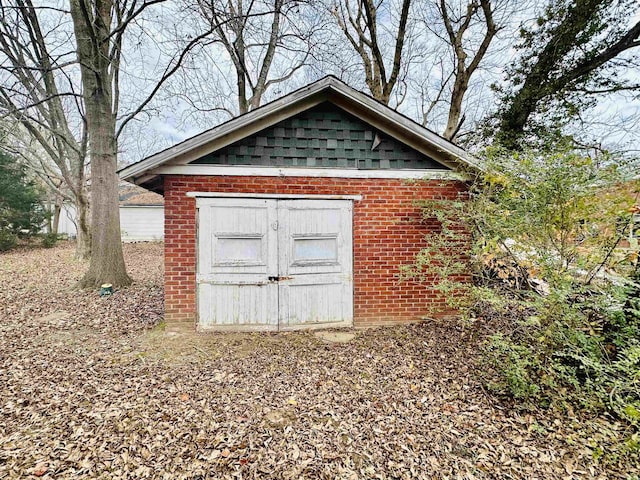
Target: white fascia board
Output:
{"points": [[228, 170], [293, 196]]}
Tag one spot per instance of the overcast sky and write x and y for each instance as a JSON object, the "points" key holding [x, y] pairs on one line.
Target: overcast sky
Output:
{"points": [[201, 96]]}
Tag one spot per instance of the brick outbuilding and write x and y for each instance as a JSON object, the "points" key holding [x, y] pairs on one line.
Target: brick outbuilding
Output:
{"points": [[300, 213]]}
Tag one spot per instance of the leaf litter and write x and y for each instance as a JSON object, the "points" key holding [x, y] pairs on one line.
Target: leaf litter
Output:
{"points": [[91, 387]]}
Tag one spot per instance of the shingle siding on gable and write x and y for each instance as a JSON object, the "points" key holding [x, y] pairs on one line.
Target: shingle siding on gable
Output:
{"points": [[325, 137]]}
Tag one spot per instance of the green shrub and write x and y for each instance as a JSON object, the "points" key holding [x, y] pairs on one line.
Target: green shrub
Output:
{"points": [[575, 352], [544, 232], [623, 382], [7, 241], [49, 240], [513, 363]]}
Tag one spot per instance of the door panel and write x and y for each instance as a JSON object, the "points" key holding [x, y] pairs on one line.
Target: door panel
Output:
{"points": [[237, 245], [322, 303], [315, 264]]}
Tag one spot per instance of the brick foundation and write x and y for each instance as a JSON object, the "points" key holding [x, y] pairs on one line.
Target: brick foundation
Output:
{"points": [[388, 230]]}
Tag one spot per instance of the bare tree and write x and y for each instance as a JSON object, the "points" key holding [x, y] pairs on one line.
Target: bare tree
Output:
{"points": [[99, 55], [99, 27], [466, 63], [464, 53], [361, 24], [39, 101], [268, 41], [92, 51]]}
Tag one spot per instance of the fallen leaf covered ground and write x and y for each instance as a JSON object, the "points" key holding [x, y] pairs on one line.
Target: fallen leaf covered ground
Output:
{"points": [[91, 387]]}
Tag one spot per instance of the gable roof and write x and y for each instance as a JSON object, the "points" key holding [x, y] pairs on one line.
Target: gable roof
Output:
{"points": [[330, 89], [134, 196]]}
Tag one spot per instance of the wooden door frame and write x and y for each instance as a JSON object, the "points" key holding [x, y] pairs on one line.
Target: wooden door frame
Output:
{"points": [[265, 328]]}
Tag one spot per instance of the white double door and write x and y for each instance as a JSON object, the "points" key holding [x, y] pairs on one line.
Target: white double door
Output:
{"points": [[269, 264]]}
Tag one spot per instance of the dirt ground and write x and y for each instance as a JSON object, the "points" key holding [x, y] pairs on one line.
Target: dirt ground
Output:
{"points": [[92, 387]]}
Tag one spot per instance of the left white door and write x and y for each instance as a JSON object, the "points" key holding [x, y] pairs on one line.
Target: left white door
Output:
{"points": [[237, 255]]}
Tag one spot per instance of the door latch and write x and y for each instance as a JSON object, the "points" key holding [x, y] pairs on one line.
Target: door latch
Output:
{"points": [[278, 278], [274, 225]]}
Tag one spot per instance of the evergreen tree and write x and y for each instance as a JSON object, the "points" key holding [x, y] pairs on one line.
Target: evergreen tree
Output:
{"points": [[20, 199]]}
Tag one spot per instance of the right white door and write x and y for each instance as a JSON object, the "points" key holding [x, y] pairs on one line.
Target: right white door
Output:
{"points": [[315, 287]]}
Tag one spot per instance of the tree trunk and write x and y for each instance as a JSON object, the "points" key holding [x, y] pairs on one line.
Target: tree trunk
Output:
{"points": [[455, 108], [243, 105], [83, 240], [107, 259], [92, 21], [238, 45], [55, 221]]}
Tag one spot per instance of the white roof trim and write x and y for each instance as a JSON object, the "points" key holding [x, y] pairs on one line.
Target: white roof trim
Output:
{"points": [[328, 88], [242, 171], [294, 196]]}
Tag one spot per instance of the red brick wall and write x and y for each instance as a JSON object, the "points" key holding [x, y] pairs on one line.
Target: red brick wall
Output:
{"points": [[388, 230]]}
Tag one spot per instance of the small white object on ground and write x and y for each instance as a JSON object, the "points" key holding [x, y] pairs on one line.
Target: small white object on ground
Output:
{"points": [[335, 337]]}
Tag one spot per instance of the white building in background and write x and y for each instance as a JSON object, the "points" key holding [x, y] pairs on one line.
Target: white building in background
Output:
{"points": [[141, 215]]}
